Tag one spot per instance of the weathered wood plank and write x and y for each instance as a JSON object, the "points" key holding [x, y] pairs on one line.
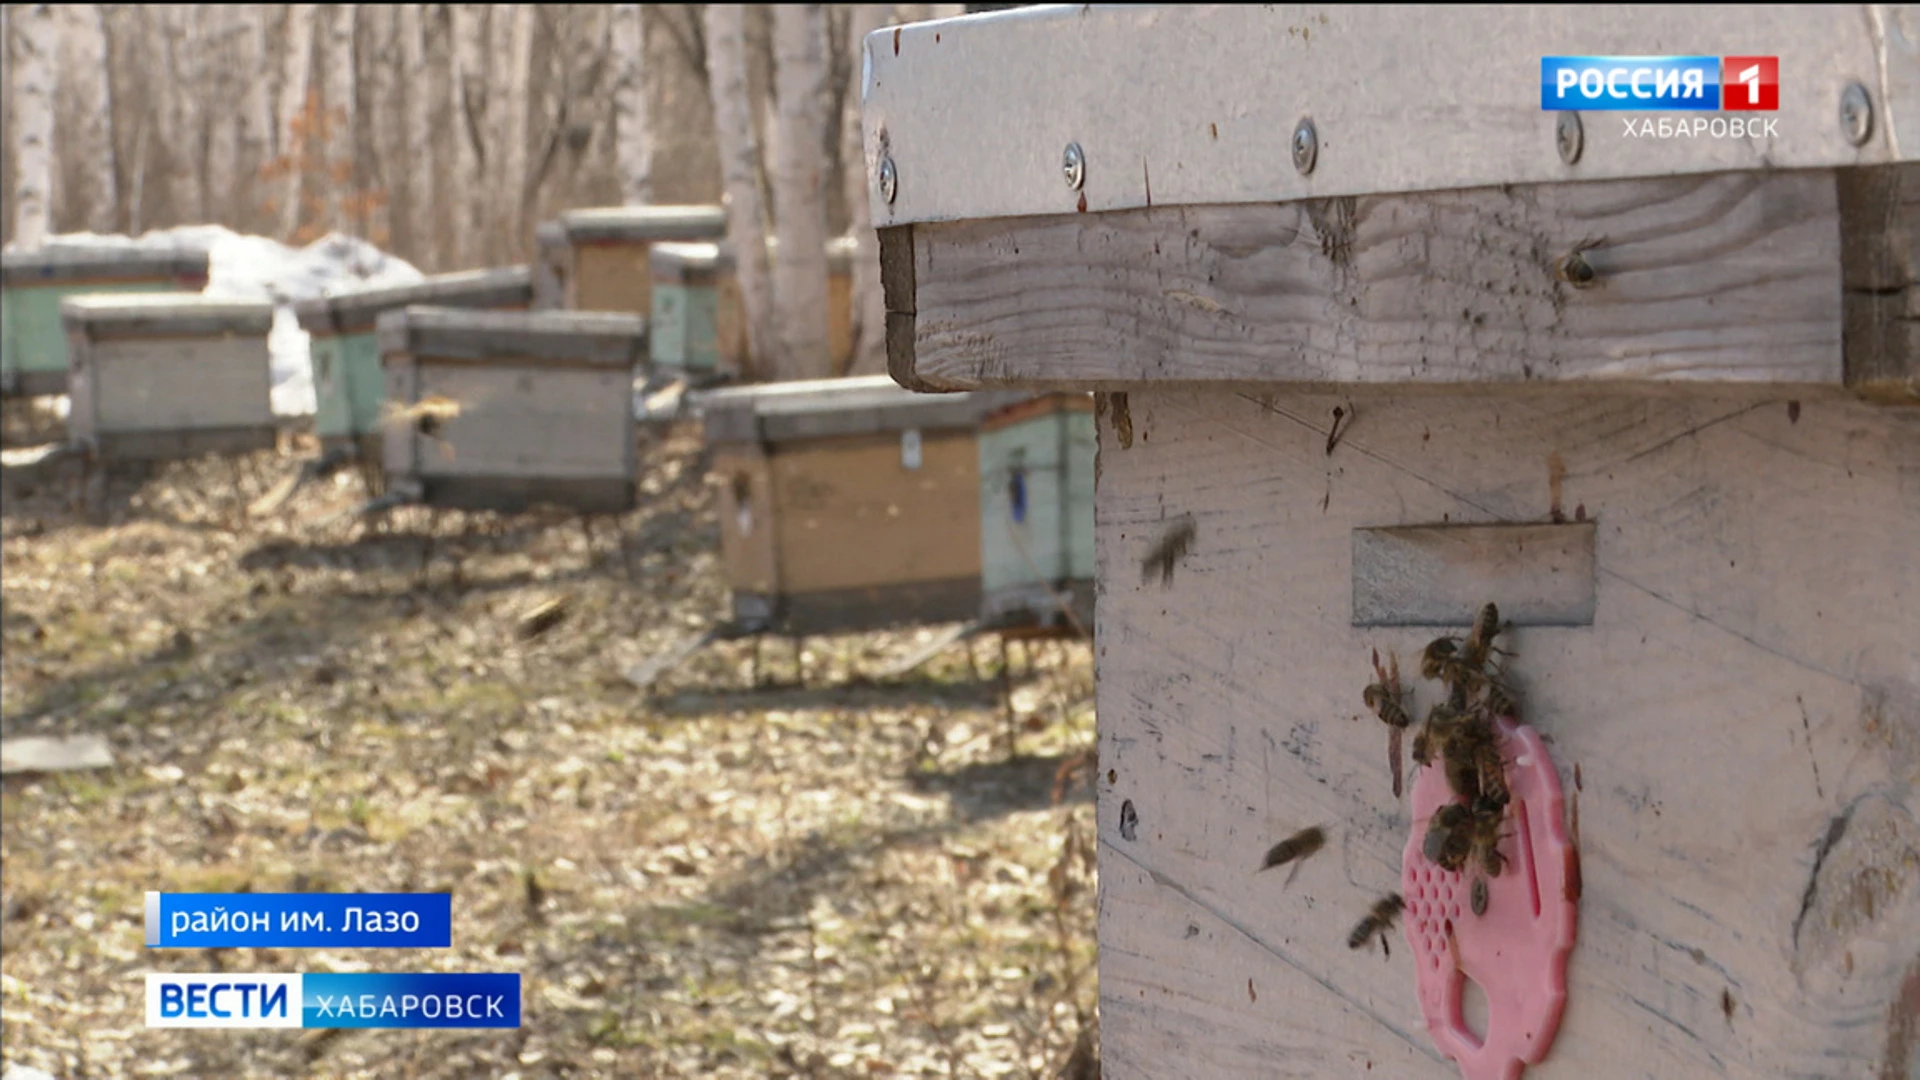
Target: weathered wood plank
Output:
{"points": [[1880, 269], [1195, 104], [1427, 575], [1748, 682], [1725, 277]]}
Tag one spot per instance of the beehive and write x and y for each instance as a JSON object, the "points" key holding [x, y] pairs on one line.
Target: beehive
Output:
{"points": [[158, 376], [33, 343], [697, 321], [499, 410], [847, 504], [348, 384], [552, 266], [696, 324], [1036, 512], [1363, 366], [609, 248]]}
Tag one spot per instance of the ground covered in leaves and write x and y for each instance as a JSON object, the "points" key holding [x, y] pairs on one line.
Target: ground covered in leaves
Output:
{"points": [[846, 877]]}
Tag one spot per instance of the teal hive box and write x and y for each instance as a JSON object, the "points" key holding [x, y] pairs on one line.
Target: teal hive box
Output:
{"points": [[33, 343], [348, 386], [1036, 511], [696, 325], [158, 376]]}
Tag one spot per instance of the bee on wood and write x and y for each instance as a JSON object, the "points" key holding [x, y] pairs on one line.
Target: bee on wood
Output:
{"points": [[1444, 660], [1169, 550], [1500, 701], [1385, 699], [1377, 922], [1295, 849], [1479, 644]]}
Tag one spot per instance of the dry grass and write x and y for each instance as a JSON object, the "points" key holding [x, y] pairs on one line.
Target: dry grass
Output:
{"points": [[840, 879]]}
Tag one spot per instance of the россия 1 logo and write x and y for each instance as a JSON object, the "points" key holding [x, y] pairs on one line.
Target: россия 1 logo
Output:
{"points": [[1660, 83]]}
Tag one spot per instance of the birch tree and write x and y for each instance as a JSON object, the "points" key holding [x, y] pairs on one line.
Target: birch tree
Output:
{"points": [[254, 134], [799, 179], [424, 84], [292, 143], [510, 221], [739, 169], [469, 119], [339, 90], [34, 72], [869, 322], [83, 57], [630, 122]]}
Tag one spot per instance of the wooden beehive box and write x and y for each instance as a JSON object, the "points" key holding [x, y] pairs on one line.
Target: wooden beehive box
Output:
{"points": [[33, 343], [348, 383], [1653, 396], [1036, 511], [158, 376], [544, 402], [847, 504], [697, 321], [609, 248], [552, 266]]}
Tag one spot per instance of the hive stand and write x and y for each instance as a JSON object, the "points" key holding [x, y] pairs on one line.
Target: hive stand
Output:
{"points": [[1393, 341], [33, 343]]}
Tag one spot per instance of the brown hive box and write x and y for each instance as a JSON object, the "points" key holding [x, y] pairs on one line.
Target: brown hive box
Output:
{"points": [[848, 504]]}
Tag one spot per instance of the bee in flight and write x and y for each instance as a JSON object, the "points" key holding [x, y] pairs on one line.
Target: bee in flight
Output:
{"points": [[429, 416], [1377, 922], [1295, 849]]}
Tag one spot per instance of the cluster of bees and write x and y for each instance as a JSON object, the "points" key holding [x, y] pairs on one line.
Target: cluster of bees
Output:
{"points": [[1460, 737]]}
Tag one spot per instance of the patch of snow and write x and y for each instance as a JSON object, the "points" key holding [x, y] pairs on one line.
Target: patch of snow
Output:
{"points": [[242, 267]]}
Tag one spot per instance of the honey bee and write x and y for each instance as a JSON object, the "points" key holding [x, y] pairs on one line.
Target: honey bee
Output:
{"points": [[1377, 922], [1479, 643], [429, 416], [1483, 838], [1477, 896], [1296, 847], [1384, 698], [1490, 771], [1449, 843], [1166, 552], [1500, 701]]}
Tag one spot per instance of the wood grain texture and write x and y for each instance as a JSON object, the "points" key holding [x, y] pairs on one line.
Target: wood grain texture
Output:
{"points": [[1880, 267], [171, 385], [848, 514], [1718, 278], [529, 422], [1426, 575], [1744, 711]]}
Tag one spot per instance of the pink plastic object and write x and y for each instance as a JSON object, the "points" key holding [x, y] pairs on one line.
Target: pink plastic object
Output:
{"points": [[1517, 951]]}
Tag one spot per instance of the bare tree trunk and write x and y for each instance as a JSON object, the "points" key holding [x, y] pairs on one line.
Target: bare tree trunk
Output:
{"points": [[510, 225], [183, 111], [220, 88], [34, 74], [469, 120], [294, 134], [799, 177], [414, 167], [739, 168], [254, 136], [630, 104], [338, 155], [84, 59], [869, 322]]}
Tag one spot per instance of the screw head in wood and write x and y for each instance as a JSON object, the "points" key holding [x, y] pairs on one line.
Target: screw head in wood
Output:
{"points": [[889, 180], [1073, 166], [1856, 114], [1569, 137], [1306, 146]]}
